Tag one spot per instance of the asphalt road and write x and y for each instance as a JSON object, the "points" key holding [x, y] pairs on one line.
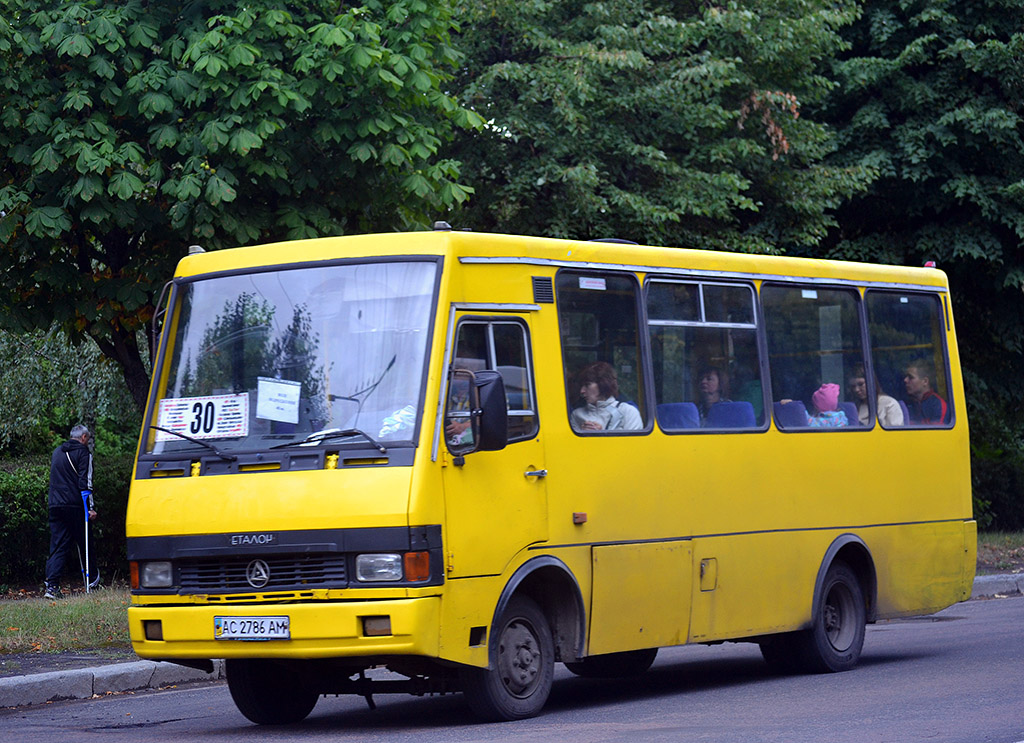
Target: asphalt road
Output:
{"points": [[957, 676]]}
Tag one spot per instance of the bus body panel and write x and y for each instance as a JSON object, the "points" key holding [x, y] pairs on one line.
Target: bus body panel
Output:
{"points": [[361, 497]]}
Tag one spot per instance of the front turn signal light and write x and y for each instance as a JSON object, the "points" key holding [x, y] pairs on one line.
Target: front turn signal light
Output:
{"points": [[416, 566]]}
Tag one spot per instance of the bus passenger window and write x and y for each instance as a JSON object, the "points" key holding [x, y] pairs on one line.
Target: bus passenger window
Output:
{"points": [[814, 352], [707, 372], [502, 346], [602, 366], [908, 354]]}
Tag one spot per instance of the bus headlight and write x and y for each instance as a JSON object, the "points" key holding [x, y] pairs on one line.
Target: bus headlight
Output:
{"points": [[380, 567], [156, 574]]}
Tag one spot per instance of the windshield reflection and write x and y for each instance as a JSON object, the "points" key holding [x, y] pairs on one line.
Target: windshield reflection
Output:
{"points": [[265, 358]]}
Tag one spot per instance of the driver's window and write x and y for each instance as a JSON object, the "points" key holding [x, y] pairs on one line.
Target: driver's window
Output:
{"points": [[502, 346]]}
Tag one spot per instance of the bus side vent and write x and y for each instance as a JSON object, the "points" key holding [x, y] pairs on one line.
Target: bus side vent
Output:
{"points": [[543, 291]]}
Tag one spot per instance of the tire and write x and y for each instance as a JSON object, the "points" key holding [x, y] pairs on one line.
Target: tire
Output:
{"points": [[836, 637], [269, 693], [614, 665], [522, 666]]}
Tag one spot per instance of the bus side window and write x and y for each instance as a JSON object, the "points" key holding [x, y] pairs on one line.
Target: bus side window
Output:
{"points": [[598, 321], [814, 348], [705, 357], [503, 346], [909, 356]]}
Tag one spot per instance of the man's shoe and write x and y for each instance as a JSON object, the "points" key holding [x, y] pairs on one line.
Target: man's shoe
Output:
{"points": [[53, 592]]}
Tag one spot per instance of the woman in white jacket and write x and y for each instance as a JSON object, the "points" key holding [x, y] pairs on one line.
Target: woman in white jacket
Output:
{"points": [[890, 414], [600, 410]]}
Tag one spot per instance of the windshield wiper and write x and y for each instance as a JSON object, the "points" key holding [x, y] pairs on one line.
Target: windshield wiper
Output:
{"points": [[211, 447], [336, 433]]}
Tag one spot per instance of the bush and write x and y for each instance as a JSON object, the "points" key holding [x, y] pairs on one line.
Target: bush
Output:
{"points": [[24, 530], [997, 452]]}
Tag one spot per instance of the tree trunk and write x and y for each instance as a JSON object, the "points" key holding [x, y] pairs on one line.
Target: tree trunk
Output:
{"points": [[122, 347]]}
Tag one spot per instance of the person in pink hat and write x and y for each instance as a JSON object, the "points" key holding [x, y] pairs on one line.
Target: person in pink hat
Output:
{"points": [[826, 408]]}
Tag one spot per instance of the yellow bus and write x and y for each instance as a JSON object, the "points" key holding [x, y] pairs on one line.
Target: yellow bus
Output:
{"points": [[466, 457]]}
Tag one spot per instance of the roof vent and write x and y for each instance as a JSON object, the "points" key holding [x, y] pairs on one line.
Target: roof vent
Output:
{"points": [[440, 226]]}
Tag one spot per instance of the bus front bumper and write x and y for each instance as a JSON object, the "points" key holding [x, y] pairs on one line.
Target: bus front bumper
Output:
{"points": [[328, 629]]}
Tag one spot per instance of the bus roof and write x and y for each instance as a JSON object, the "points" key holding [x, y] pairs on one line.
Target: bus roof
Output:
{"points": [[478, 247]]}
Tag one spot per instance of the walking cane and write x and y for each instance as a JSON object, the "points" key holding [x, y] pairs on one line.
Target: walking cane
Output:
{"points": [[85, 568]]}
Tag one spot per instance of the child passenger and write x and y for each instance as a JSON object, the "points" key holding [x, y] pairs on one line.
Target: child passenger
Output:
{"points": [[826, 412]]}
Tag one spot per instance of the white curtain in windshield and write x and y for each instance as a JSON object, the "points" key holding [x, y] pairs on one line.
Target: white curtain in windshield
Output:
{"points": [[281, 354]]}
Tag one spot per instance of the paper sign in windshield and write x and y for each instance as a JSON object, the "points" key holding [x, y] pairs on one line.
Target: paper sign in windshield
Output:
{"points": [[210, 417], [278, 400]]}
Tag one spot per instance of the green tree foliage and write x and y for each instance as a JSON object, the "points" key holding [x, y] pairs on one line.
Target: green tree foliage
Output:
{"points": [[47, 385], [130, 128], [931, 98], [675, 123]]}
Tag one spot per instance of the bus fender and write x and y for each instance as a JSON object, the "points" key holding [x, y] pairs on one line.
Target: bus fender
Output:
{"points": [[548, 581], [852, 550]]}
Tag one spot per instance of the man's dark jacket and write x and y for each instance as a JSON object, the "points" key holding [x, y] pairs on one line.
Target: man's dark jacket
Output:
{"points": [[70, 474]]}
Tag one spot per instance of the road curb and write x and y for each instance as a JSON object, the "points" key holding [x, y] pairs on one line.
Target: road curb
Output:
{"points": [[986, 586], [85, 683]]}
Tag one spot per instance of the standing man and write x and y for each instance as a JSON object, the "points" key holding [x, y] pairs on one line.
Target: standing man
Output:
{"points": [[70, 500]]}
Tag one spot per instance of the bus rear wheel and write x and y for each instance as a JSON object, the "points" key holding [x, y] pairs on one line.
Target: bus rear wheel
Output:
{"points": [[614, 665], [836, 636], [522, 666], [269, 693]]}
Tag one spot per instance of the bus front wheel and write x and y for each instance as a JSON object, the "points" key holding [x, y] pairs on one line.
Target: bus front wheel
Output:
{"points": [[522, 666], [268, 693]]}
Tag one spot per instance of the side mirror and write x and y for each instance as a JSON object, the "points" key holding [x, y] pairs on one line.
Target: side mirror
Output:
{"points": [[493, 407], [476, 414]]}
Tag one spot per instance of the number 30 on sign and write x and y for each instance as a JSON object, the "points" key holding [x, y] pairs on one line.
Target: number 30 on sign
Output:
{"points": [[215, 416]]}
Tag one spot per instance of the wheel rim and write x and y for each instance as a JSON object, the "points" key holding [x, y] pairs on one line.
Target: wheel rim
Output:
{"points": [[838, 615], [519, 659]]}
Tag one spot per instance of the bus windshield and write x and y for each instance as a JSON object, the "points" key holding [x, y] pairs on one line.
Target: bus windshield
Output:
{"points": [[295, 355]]}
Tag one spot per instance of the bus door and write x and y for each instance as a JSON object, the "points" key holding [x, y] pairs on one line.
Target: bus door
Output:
{"points": [[495, 501]]}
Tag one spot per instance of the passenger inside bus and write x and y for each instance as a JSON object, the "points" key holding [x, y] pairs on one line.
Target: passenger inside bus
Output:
{"points": [[712, 388], [890, 415], [600, 411], [826, 408], [923, 403], [458, 430]]}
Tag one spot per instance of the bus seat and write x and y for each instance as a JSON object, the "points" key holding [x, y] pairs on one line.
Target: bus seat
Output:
{"points": [[465, 362], [906, 412], [852, 415], [677, 415], [791, 414], [738, 414]]}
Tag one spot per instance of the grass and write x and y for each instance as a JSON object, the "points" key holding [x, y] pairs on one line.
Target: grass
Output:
{"points": [[79, 622], [1001, 552], [99, 619]]}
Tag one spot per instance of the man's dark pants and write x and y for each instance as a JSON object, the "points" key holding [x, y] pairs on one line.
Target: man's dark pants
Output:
{"points": [[67, 532]]}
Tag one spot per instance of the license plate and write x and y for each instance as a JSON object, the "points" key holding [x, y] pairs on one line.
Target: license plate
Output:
{"points": [[251, 628]]}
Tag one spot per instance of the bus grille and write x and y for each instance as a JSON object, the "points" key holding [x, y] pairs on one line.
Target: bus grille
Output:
{"points": [[286, 572]]}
